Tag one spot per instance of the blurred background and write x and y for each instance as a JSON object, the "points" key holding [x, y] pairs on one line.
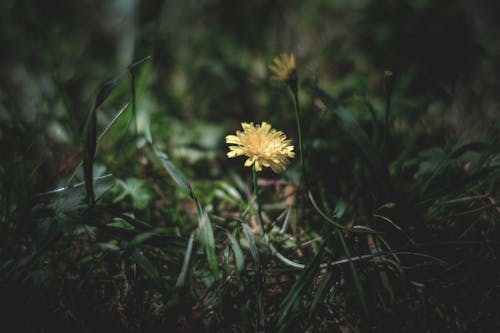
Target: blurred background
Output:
{"points": [[209, 65]]}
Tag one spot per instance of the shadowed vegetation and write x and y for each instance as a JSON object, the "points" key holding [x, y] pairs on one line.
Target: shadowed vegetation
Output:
{"points": [[120, 210]]}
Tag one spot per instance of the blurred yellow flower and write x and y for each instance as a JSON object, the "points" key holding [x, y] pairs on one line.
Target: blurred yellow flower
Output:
{"points": [[263, 145], [283, 68]]}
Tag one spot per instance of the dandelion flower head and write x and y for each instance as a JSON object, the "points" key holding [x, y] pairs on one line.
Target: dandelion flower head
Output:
{"points": [[262, 145], [283, 68]]}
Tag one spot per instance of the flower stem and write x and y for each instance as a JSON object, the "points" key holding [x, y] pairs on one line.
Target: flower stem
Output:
{"points": [[299, 133], [302, 180], [257, 199]]}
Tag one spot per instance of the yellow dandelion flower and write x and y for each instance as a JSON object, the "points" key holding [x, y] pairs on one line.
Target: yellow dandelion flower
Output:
{"points": [[283, 68], [263, 145]]}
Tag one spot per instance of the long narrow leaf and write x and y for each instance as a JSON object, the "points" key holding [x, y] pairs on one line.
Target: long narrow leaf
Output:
{"points": [[174, 172], [206, 236], [331, 220], [143, 262], [251, 241], [298, 287], [90, 137], [104, 132], [106, 90], [261, 320], [89, 147], [181, 280], [448, 159], [357, 280], [205, 232], [238, 253], [320, 294], [137, 84]]}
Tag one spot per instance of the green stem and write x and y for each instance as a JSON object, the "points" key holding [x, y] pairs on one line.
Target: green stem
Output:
{"points": [[134, 107], [267, 241], [260, 294], [257, 199], [303, 180], [299, 134]]}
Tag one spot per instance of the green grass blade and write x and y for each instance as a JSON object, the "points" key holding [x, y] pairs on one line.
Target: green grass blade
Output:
{"points": [[261, 320], [134, 103], [89, 148], [331, 220], [101, 136], [138, 82], [139, 239], [206, 236], [238, 253], [297, 289], [174, 172], [90, 137], [357, 280], [205, 231], [449, 159], [319, 294], [138, 257], [105, 90], [112, 122], [139, 62], [251, 242], [181, 280], [90, 129]]}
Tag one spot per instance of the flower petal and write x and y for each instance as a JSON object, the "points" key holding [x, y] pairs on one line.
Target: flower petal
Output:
{"points": [[249, 161], [233, 139]]}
